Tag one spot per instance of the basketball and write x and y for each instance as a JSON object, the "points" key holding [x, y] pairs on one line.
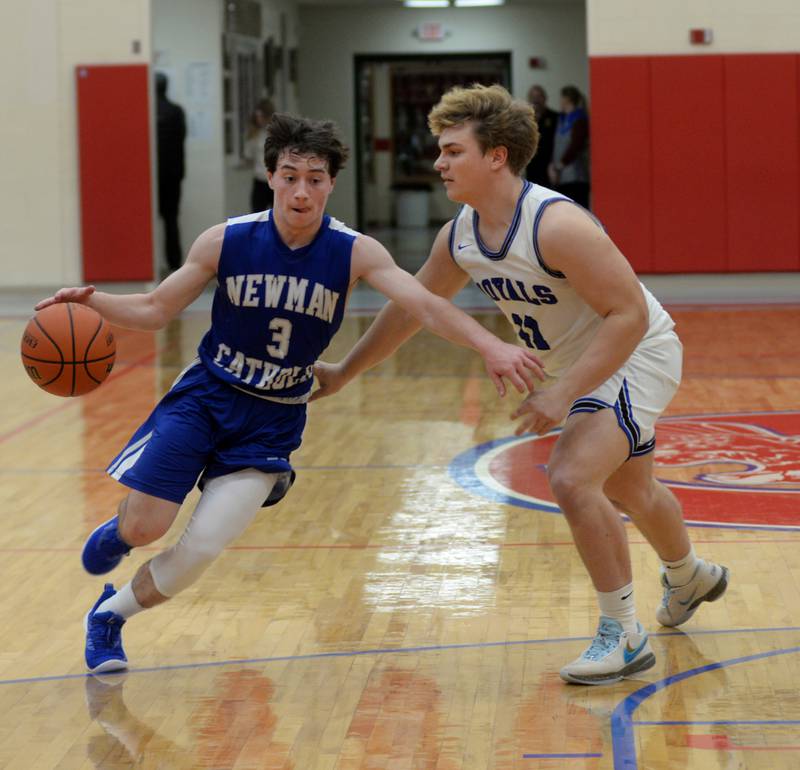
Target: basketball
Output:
{"points": [[68, 349]]}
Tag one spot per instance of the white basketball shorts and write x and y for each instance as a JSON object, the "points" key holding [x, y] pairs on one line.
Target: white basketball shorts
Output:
{"points": [[640, 391]]}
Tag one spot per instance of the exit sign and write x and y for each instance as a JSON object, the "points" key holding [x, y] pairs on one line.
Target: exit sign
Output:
{"points": [[431, 31]]}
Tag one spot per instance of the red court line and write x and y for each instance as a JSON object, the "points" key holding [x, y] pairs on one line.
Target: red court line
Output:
{"points": [[36, 420], [128, 368], [722, 742], [375, 546], [738, 304]]}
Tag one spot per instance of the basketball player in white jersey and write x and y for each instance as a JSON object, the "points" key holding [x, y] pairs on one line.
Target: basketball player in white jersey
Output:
{"points": [[612, 360]]}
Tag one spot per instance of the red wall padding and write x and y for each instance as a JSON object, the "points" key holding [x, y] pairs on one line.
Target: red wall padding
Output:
{"points": [[115, 186], [709, 144], [761, 137], [621, 193], [688, 164]]}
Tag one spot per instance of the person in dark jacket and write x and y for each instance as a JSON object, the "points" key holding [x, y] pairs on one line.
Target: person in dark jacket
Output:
{"points": [[170, 135], [546, 120]]}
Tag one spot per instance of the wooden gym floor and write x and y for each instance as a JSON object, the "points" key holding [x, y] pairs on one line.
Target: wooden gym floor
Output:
{"points": [[409, 604]]}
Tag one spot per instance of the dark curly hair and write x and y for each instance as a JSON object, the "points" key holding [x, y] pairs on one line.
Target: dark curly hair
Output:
{"points": [[304, 136]]}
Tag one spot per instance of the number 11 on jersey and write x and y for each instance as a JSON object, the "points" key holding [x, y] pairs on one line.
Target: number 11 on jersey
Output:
{"points": [[529, 333]]}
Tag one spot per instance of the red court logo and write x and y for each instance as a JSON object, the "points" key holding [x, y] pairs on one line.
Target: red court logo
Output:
{"points": [[728, 470], [730, 454]]}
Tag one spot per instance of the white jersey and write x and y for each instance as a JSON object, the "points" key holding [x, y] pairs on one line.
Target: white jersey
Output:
{"points": [[548, 314]]}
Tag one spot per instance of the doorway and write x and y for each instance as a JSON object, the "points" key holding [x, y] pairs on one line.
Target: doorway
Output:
{"points": [[395, 151]]}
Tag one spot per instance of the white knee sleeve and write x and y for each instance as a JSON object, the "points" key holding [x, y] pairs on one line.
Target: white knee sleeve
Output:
{"points": [[226, 507]]}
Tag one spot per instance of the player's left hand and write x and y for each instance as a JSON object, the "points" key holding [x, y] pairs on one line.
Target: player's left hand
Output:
{"points": [[520, 366], [79, 294], [541, 412]]}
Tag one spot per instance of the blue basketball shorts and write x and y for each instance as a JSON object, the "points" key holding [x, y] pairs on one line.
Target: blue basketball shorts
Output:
{"points": [[640, 390], [203, 428]]}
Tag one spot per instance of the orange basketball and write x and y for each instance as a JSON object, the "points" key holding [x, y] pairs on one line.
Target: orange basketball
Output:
{"points": [[68, 349]]}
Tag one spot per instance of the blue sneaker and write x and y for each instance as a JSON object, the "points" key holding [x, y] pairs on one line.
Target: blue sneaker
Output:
{"points": [[104, 549], [104, 637], [612, 655]]}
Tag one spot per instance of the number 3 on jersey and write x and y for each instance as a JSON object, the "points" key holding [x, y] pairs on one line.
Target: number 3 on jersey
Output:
{"points": [[281, 332], [528, 331]]}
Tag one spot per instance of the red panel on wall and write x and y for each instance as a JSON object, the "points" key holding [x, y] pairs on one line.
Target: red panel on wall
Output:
{"points": [[621, 154], [763, 185], [115, 187], [689, 217]]}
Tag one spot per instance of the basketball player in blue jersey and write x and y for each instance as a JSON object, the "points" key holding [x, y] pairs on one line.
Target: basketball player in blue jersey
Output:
{"points": [[234, 416], [611, 357]]}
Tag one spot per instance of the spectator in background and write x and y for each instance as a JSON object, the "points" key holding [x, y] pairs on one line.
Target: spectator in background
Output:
{"points": [[546, 119], [569, 170], [261, 196], [170, 136]]}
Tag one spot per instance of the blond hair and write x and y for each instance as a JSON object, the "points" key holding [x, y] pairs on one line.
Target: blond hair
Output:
{"points": [[497, 120]]}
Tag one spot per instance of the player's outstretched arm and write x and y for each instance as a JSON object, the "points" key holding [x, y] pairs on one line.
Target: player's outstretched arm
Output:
{"points": [[375, 265], [393, 325], [154, 309]]}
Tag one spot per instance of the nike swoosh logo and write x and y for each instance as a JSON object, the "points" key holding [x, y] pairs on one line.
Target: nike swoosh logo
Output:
{"points": [[683, 604], [623, 598], [463, 246], [630, 654]]}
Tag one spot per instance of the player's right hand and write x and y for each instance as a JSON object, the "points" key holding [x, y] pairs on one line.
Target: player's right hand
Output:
{"points": [[330, 379], [79, 294], [520, 366]]}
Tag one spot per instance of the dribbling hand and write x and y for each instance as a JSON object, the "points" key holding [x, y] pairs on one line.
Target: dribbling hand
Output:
{"points": [[79, 294]]}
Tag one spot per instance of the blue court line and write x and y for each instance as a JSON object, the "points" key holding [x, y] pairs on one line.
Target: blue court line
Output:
{"points": [[311, 656], [723, 722], [622, 724], [391, 651], [721, 631], [559, 756]]}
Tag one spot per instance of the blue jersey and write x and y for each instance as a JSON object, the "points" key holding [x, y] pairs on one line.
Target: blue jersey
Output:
{"points": [[276, 309]]}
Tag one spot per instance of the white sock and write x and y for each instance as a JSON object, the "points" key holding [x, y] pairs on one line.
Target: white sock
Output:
{"points": [[123, 603], [680, 572], [619, 605]]}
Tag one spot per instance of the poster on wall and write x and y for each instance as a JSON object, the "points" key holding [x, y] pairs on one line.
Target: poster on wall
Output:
{"points": [[198, 81]]}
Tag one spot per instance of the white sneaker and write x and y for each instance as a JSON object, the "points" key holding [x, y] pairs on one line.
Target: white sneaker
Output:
{"points": [[612, 655], [680, 602]]}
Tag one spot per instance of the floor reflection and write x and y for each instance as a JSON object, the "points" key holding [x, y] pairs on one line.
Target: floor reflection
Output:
{"points": [[233, 726], [441, 553]]}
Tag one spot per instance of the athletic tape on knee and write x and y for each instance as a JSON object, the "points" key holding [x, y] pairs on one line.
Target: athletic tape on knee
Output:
{"points": [[226, 507]]}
